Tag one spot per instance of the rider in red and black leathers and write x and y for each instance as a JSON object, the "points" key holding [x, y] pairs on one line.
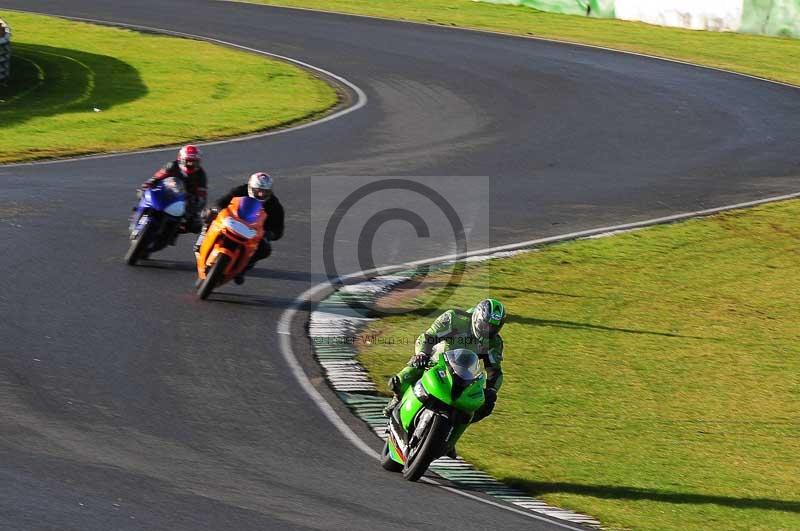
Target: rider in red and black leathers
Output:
{"points": [[187, 168]]}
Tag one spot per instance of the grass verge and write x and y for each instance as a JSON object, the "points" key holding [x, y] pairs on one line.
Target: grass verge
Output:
{"points": [[79, 88], [772, 58], [652, 379]]}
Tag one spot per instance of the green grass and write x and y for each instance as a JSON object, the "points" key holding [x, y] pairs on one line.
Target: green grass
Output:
{"points": [[150, 90], [767, 57], [652, 379]]}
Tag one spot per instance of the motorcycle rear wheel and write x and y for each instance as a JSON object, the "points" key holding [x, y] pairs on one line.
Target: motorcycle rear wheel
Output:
{"points": [[433, 447], [213, 277]]}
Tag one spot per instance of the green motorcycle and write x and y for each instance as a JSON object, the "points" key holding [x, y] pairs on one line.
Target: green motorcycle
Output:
{"points": [[434, 413]]}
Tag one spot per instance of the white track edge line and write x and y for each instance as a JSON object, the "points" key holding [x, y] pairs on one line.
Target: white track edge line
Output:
{"points": [[361, 97], [301, 377], [533, 37], [284, 324], [529, 514]]}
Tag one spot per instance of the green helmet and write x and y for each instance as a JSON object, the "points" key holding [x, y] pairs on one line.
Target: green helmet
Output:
{"points": [[488, 317]]}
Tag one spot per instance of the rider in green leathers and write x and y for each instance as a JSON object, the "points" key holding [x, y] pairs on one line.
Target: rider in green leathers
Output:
{"points": [[476, 329]]}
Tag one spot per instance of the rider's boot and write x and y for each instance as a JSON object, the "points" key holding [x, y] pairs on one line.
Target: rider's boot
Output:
{"points": [[239, 279], [395, 386], [174, 238], [455, 435], [199, 242]]}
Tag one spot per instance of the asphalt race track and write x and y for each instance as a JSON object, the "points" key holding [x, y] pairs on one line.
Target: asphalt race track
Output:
{"points": [[127, 404]]}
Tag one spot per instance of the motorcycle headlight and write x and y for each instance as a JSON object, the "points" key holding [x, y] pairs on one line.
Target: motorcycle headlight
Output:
{"points": [[239, 228], [176, 209]]}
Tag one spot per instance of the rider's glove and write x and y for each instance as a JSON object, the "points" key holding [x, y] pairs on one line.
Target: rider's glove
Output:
{"points": [[490, 395], [208, 214], [419, 360]]}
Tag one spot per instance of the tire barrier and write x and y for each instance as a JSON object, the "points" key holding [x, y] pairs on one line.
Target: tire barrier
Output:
{"points": [[779, 18], [5, 51]]}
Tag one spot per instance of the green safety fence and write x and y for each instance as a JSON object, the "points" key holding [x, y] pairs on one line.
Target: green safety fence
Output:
{"points": [[592, 8], [765, 17], [771, 17]]}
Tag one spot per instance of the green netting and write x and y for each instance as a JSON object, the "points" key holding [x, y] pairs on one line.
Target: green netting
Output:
{"points": [[593, 8], [771, 17], [765, 17]]}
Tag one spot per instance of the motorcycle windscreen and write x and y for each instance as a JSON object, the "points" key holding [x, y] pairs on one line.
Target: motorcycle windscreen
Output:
{"points": [[249, 209], [166, 192], [464, 363], [152, 199], [173, 186]]}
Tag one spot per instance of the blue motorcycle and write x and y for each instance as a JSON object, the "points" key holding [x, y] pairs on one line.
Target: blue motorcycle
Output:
{"points": [[157, 219]]}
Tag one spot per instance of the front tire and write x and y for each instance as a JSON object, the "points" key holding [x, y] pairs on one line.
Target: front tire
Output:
{"points": [[433, 447], [138, 247], [386, 460], [214, 276]]}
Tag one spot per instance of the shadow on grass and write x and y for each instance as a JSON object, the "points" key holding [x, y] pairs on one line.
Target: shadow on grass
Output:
{"points": [[431, 285], [432, 312], [608, 492], [574, 325], [47, 81]]}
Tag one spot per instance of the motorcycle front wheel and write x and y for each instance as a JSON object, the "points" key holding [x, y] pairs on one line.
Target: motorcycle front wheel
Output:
{"points": [[138, 247], [432, 447], [214, 276]]}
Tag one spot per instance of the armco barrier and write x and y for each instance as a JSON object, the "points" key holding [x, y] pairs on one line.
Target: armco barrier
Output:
{"points": [[5, 51]]}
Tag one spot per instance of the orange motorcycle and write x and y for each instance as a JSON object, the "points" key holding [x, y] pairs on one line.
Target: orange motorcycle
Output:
{"points": [[229, 243]]}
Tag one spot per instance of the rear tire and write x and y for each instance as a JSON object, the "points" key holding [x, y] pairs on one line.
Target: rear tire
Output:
{"points": [[387, 462], [138, 248], [214, 276], [432, 448]]}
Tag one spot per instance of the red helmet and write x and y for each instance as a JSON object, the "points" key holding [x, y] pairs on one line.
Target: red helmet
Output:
{"points": [[189, 158]]}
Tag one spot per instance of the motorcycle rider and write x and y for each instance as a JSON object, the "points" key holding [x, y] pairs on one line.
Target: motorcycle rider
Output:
{"points": [[478, 330], [187, 168], [259, 187]]}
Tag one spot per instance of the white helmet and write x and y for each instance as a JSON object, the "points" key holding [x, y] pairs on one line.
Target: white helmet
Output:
{"points": [[260, 186]]}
